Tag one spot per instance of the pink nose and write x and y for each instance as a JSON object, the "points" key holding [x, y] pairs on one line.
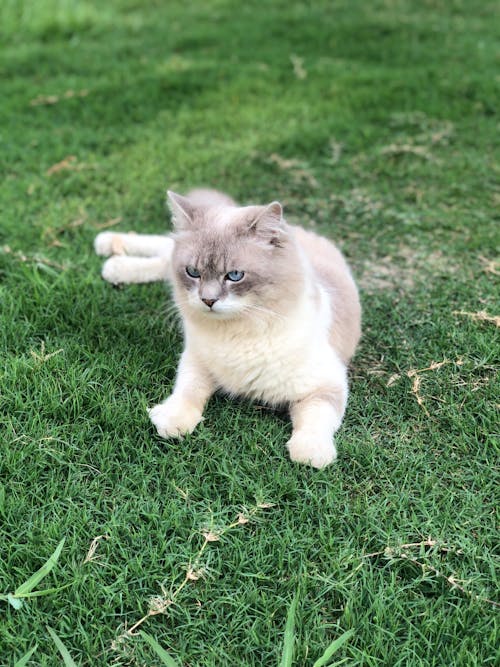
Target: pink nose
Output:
{"points": [[209, 302]]}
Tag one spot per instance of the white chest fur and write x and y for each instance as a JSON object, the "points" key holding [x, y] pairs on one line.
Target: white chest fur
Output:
{"points": [[278, 361]]}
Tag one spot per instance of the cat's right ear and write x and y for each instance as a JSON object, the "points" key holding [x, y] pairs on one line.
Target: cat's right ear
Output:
{"points": [[182, 210]]}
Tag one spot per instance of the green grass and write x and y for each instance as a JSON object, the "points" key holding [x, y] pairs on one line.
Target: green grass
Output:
{"points": [[373, 121]]}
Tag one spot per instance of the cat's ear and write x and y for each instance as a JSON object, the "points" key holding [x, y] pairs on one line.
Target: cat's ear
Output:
{"points": [[182, 210], [267, 223], [274, 210]]}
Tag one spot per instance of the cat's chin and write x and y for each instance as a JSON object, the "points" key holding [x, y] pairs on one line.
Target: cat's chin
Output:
{"points": [[216, 313]]}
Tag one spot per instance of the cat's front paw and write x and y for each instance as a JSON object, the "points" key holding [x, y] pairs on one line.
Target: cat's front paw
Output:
{"points": [[174, 417], [311, 449], [104, 243]]}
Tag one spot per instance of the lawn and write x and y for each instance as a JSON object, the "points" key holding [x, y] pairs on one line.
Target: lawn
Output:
{"points": [[373, 122]]}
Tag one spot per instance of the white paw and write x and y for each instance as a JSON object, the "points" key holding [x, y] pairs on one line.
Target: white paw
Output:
{"points": [[174, 417], [103, 243], [312, 449], [116, 270]]}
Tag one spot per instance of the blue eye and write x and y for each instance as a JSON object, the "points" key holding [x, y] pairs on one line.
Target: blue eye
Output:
{"points": [[191, 271], [235, 276]]}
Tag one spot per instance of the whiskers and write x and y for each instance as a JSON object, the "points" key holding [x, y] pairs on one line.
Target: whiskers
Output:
{"points": [[230, 313], [262, 312], [172, 314]]}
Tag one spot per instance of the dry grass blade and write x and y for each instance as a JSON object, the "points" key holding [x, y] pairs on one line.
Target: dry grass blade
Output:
{"points": [[211, 536], [108, 223], [68, 163], [408, 149], [393, 379], [42, 357], [93, 547], [47, 100], [450, 579], [415, 374], [298, 67], [412, 545], [480, 316], [434, 365], [415, 389], [490, 265], [299, 171], [393, 553]]}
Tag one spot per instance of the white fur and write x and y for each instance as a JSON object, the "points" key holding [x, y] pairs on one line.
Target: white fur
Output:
{"points": [[281, 358], [174, 417], [183, 410], [138, 245], [150, 260], [120, 269]]}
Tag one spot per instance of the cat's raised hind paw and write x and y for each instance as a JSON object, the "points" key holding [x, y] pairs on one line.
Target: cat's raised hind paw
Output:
{"points": [[174, 418], [104, 244], [117, 270], [308, 448]]}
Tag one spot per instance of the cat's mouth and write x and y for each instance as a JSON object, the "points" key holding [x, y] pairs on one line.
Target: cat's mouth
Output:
{"points": [[220, 309]]}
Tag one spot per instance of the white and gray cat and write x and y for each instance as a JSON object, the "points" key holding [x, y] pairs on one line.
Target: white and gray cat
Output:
{"points": [[270, 311]]}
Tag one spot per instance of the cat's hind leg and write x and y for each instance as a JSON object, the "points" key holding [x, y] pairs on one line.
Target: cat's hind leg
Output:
{"points": [[315, 420], [121, 269], [138, 245], [135, 258]]}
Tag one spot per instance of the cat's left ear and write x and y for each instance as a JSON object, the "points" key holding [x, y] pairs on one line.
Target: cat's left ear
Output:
{"points": [[182, 209], [269, 223]]}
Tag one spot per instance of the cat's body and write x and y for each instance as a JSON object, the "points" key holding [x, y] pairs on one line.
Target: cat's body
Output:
{"points": [[270, 311]]}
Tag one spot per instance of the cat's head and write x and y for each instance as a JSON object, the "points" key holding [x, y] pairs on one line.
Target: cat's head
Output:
{"points": [[232, 262]]}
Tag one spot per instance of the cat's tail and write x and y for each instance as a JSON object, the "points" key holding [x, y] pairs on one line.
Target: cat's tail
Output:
{"points": [[208, 197]]}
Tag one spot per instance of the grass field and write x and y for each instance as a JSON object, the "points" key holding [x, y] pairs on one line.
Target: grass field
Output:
{"points": [[375, 123]]}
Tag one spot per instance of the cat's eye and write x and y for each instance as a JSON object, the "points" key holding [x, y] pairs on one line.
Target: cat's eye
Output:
{"points": [[234, 276], [191, 271]]}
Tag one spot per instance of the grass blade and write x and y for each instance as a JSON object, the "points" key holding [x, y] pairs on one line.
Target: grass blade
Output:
{"points": [[289, 639], [159, 650], [68, 660], [24, 660], [38, 594], [35, 579], [333, 648]]}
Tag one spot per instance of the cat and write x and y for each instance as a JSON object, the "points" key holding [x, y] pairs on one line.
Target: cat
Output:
{"points": [[270, 311]]}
